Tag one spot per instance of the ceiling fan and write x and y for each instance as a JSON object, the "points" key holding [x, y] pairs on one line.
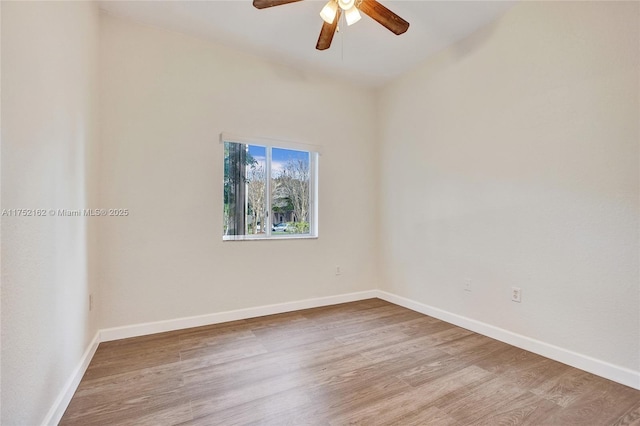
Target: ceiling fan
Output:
{"points": [[333, 10]]}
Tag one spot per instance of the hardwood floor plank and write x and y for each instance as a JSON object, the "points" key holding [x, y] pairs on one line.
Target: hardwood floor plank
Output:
{"points": [[431, 416], [534, 374], [398, 409], [405, 347], [123, 410], [276, 320], [225, 350], [203, 358], [565, 388], [348, 313], [337, 399], [122, 385], [526, 409], [141, 342], [168, 416], [367, 372], [478, 352], [447, 335], [290, 339], [431, 369], [470, 404], [131, 361], [365, 320], [463, 344], [604, 403], [368, 362], [205, 402], [273, 406], [631, 417], [424, 326], [510, 359], [200, 339], [375, 334], [443, 389]]}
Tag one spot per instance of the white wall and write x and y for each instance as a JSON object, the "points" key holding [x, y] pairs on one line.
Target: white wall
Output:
{"points": [[49, 54], [165, 99], [511, 159]]}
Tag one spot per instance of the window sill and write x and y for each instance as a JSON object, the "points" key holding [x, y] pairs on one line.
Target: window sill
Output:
{"points": [[272, 238]]}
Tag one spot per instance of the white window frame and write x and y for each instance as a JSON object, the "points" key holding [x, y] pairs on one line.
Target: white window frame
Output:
{"points": [[314, 157]]}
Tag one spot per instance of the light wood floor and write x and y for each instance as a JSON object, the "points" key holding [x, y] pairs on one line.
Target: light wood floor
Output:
{"points": [[368, 362]]}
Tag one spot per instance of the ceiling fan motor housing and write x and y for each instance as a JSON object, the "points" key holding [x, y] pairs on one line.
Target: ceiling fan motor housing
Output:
{"points": [[346, 4]]}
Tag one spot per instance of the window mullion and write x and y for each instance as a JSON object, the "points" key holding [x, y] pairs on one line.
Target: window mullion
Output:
{"points": [[267, 186]]}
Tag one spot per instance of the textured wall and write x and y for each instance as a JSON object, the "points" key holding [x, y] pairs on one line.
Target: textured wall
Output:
{"points": [[49, 55], [511, 159]]}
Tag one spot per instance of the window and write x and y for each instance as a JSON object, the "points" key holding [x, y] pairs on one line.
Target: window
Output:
{"points": [[270, 189]]}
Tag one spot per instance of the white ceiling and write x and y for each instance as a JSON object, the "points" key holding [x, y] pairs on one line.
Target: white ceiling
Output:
{"points": [[365, 52]]}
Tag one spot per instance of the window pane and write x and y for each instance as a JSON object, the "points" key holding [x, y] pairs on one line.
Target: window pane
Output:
{"points": [[244, 188], [290, 187]]}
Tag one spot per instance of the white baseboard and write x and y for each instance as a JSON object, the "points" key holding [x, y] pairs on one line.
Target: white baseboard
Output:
{"points": [[598, 367], [143, 329], [62, 401]]}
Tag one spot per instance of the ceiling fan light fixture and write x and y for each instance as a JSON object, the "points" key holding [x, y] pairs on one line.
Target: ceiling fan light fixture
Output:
{"points": [[346, 4], [352, 15], [328, 12]]}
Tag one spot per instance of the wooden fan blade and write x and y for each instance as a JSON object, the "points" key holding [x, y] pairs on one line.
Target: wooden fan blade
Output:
{"points": [[384, 16], [327, 32], [263, 4]]}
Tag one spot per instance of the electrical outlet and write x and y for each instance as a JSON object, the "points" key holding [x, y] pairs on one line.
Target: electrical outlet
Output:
{"points": [[338, 270], [516, 294], [91, 302], [467, 284]]}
